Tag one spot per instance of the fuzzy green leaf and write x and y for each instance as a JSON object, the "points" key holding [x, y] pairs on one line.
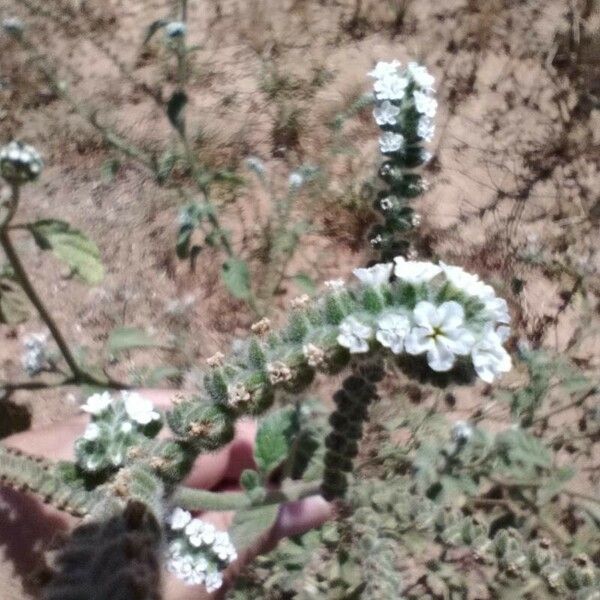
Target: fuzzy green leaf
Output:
{"points": [[123, 339], [274, 439], [306, 283], [71, 246], [175, 108], [236, 277], [13, 303], [250, 524]]}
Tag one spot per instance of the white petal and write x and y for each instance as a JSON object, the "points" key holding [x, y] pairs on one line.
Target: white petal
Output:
{"points": [[425, 315], [418, 341], [459, 341], [451, 315], [179, 518], [440, 358], [92, 432], [375, 275]]}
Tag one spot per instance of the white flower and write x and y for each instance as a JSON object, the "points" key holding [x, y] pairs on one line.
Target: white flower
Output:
{"points": [[200, 552], [179, 518], [92, 432], [468, 283], [415, 271], [97, 403], [386, 203], [392, 330], [497, 309], [213, 581], [425, 104], [175, 29], [385, 69], [375, 275], [426, 129], [255, 164], [386, 113], [390, 87], [336, 285], [462, 432], [200, 533], [138, 408], [126, 427], [34, 358], [376, 240], [440, 332], [391, 142], [489, 357], [421, 76], [296, 180], [354, 335]]}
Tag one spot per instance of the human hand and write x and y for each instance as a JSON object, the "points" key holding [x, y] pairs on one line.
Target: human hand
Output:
{"points": [[27, 526]]}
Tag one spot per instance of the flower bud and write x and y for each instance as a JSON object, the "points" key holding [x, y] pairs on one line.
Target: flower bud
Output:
{"points": [[20, 163]]}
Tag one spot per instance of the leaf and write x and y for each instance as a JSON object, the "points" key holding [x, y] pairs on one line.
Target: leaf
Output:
{"points": [[236, 277], [175, 107], [251, 523], [153, 28], [123, 339], [159, 374], [305, 282], [13, 302], [190, 217], [166, 164], [274, 439], [109, 169], [249, 479], [71, 246]]}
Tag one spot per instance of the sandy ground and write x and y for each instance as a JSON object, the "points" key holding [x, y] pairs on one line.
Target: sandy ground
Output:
{"points": [[515, 172]]}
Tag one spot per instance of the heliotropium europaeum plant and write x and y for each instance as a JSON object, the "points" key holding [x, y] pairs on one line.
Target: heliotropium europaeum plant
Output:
{"points": [[433, 322], [405, 108], [441, 317]]}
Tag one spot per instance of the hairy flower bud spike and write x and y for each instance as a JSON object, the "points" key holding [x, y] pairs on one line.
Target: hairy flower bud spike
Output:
{"points": [[404, 110]]}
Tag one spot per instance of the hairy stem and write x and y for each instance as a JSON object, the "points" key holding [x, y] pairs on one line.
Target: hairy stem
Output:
{"points": [[21, 275], [193, 499]]}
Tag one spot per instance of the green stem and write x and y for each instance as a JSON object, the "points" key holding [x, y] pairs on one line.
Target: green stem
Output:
{"points": [[194, 499], [89, 115], [574, 404], [21, 275]]}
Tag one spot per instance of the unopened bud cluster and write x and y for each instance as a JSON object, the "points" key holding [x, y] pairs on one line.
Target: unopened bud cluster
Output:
{"points": [[20, 163], [352, 402], [404, 110], [118, 424], [197, 552]]}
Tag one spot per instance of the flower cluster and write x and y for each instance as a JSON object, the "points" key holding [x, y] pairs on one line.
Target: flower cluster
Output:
{"points": [[20, 163], [404, 110], [117, 425], [454, 315], [34, 359], [197, 552]]}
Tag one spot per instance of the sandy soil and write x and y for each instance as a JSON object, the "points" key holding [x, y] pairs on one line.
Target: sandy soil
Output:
{"points": [[516, 168]]}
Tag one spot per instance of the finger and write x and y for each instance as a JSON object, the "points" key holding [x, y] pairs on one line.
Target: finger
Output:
{"points": [[294, 518], [226, 464]]}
